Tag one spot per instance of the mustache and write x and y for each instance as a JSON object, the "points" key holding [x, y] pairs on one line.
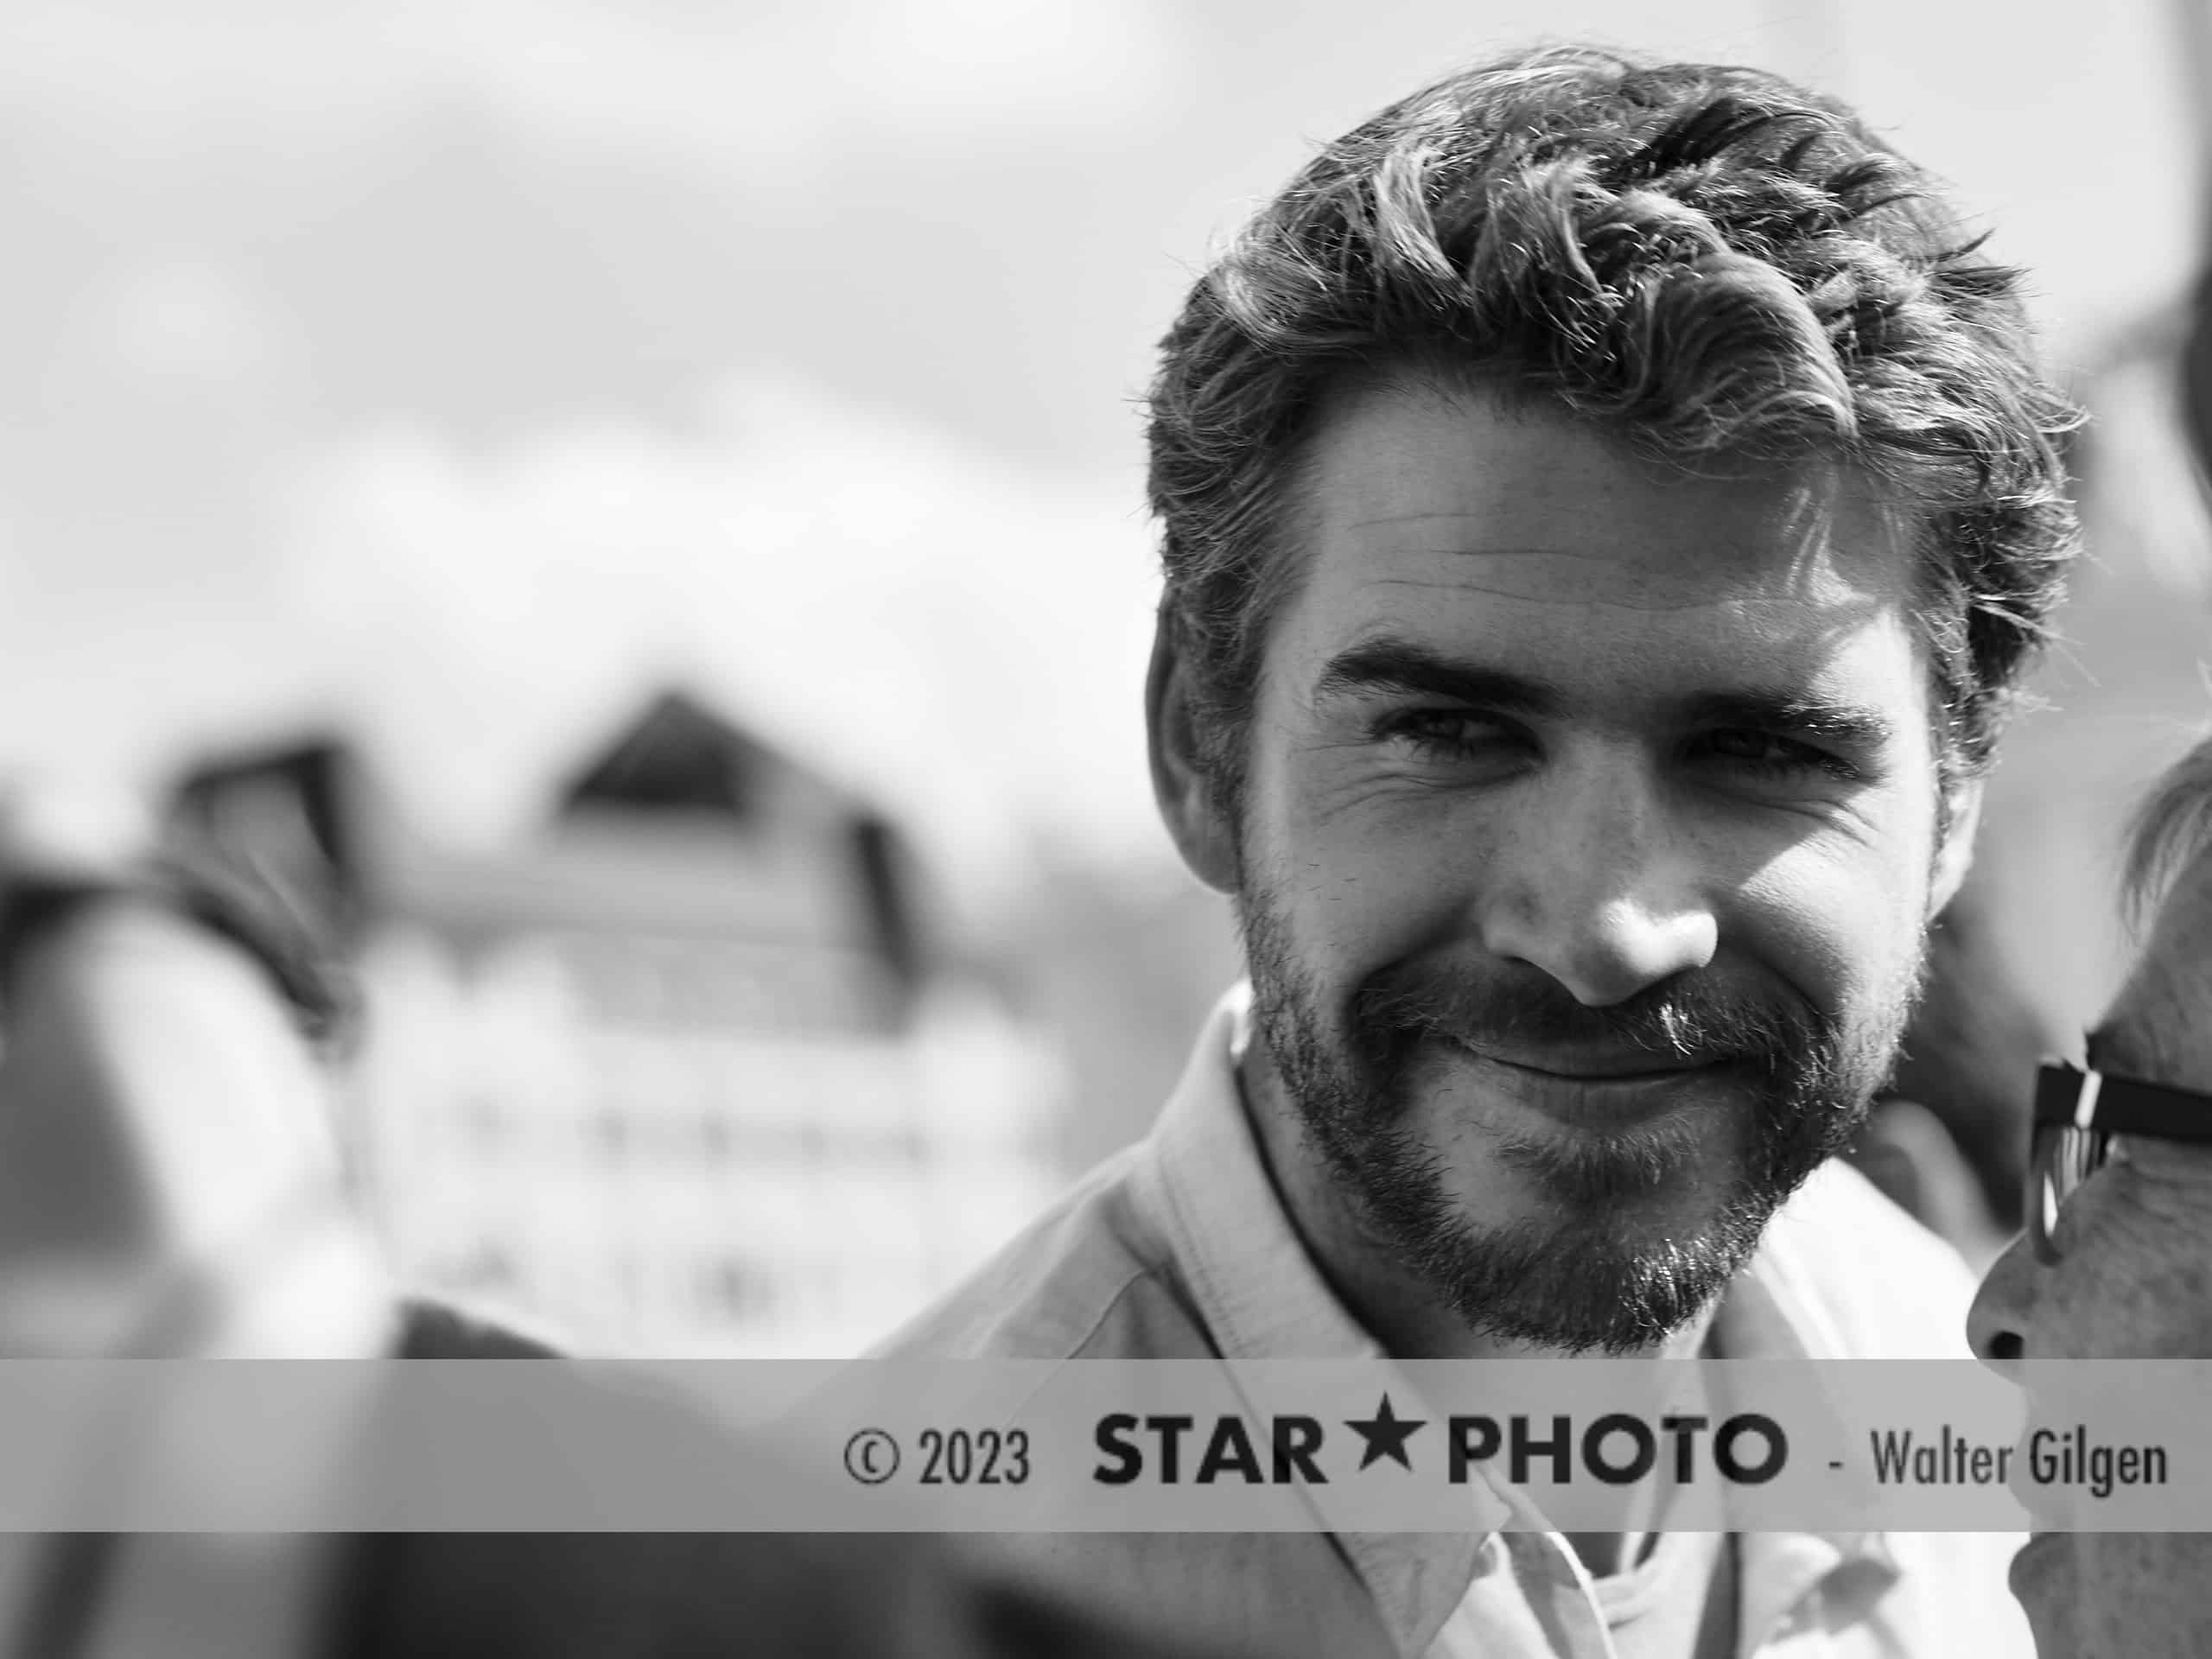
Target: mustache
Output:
{"points": [[1687, 1022]]}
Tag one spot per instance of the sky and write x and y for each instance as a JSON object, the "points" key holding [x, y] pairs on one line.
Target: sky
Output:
{"points": [[461, 372]]}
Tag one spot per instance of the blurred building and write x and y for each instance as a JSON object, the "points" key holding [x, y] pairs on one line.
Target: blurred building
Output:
{"points": [[695, 1071]]}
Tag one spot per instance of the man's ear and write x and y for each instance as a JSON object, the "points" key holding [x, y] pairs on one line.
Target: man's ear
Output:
{"points": [[1189, 803], [1955, 857]]}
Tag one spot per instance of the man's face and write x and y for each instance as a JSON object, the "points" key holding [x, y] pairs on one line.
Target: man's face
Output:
{"points": [[1585, 852], [2133, 1280]]}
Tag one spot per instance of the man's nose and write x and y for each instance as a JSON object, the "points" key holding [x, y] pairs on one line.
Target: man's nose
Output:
{"points": [[1997, 1324], [1597, 889]]}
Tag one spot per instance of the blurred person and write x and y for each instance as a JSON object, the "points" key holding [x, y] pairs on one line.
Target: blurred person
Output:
{"points": [[1607, 505], [170, 1188], [2116, 1261], [153, 1076]]}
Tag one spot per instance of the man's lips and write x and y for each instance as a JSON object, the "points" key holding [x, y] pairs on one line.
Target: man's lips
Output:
{"points": [[1581, 1091], [1590, 1067]]}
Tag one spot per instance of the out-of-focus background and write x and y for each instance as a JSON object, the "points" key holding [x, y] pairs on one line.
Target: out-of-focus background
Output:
{"points": [[634, 510]]}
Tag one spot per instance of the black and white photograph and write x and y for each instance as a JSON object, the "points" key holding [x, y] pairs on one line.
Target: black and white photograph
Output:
{"points": [[1474, 742]]}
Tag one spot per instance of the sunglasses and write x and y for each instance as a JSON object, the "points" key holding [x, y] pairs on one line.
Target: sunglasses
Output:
{"points": [[2077, 1115]]}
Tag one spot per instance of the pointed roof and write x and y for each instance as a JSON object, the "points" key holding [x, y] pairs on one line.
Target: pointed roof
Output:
{"points": [[678, 753]]}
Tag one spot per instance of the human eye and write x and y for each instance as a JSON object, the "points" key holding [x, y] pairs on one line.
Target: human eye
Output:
{"points": [[1445, 736], [1765, 755]]}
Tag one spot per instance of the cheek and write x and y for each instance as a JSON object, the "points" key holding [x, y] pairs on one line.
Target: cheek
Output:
{"points": [[2142, 1304], [2182, 1295], [1840, 925], [1356, 904], [2141, 1592], [2126, 1286], [1362, 884]]}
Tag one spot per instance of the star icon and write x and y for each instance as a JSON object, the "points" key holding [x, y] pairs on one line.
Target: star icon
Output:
{"points": [[1386, 1435]]}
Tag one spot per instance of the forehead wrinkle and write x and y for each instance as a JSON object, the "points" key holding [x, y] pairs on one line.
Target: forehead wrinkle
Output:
{"points": [[1798, 541], [1600, 580], [1802, 513], [1608, 601]]}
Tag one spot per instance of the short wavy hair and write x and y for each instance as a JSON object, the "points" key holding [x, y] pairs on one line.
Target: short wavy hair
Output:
{"points": [[1711, 263]]}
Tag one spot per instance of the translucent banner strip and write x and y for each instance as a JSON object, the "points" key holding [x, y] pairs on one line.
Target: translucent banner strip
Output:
{"points": [[1167, 1445]]}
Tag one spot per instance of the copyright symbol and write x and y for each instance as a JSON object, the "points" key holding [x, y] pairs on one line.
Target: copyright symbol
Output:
{"points": [[871, 1457]]}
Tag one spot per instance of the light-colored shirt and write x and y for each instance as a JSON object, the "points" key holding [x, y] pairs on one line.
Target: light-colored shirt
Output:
{"points": [[1181, 1249]]}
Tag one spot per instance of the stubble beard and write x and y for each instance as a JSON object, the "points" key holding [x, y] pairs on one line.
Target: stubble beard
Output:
{"points": [[1586, 1278]]}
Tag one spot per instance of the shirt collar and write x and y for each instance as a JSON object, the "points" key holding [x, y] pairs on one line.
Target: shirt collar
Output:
{"points": [[1263, 1297]]}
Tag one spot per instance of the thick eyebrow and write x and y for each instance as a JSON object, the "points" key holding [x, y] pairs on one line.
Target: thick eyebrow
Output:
{"points": [[1790, 714], [1393, 664]]}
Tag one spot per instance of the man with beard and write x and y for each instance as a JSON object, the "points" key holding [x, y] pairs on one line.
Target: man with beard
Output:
{"points": [[1607, 505]]}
